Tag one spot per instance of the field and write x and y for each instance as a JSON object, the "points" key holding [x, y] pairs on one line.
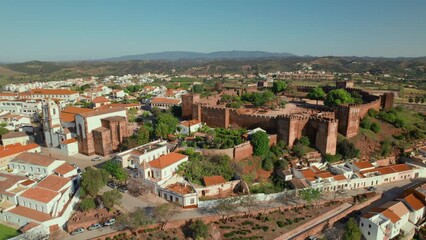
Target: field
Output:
{"points": [[7, 232]]}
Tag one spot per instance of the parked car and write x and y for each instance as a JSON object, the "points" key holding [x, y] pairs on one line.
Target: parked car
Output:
{"points": [[94, 226], [97, 159], [122, 189], [109, 222], [371, 188], [112, 184], [77, 231]]}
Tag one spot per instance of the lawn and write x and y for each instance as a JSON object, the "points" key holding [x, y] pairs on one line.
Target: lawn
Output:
{"points": [[7, 232]]}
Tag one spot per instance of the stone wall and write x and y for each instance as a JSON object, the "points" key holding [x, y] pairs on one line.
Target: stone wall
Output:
{"points": [[242, 151], [102, 141], [248, 121]]}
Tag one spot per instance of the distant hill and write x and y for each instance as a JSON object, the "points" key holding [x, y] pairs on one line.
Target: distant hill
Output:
{"points": [[182, 55]]}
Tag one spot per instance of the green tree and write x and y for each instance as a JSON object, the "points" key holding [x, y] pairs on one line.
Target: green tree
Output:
{"points": [[304, 141], [279, 86], [352, 231], [87, 204], [197, 88], [260, 142], [267, 164], [132, 114], [338, 97], [177, 111], [299, 150], [93, 180], [161, 130], [142, 135], [310, 195], [316, 94], [111, 198], [3, 131], [366, 123], [166, 124], [198, 229], [410, 100], [347, 149], [385, 148], [114, 168], [375, 127]]}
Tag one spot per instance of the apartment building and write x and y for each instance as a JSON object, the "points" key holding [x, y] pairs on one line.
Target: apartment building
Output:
{"points": [[134, 157]]}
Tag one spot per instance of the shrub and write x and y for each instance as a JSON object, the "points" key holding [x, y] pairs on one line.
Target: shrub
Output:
{"points": [[199, 230], [366, 123], [399, 122], [304, 141], [267, 164], [372, 113], [247, 223], [333, 158], [87, 204], [280, 224], [375, 127]]}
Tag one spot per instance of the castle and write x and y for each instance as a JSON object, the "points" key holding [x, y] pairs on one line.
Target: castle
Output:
{"points": [[320, 123]]}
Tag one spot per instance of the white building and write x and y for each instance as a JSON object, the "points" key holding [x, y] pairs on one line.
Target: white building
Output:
{"points": [[134, 157], [165, 103], [11, 138], [189, 127], [34, 164]]}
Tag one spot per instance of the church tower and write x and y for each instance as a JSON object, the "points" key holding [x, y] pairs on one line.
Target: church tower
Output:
{"points": [[51, 123]]}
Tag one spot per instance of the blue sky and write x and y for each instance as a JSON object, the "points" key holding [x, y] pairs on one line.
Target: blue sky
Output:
{"points": [[93, 29]]}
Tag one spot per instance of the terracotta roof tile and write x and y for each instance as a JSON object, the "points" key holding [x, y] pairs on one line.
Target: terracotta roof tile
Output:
{"points": [[16, 148], [339, 177], [7, 181], [308, 173], [190, 123], [53, 91], [325, 175], [68, 141], [30, 213], [40, 194], [27, 182], [53, 182], [29, 226], [101, 112], [165, 100], [414, 202], [391, 215], [166, 160], [101, 99], [13, 135], [34, 158], [64, 169], [213, 180], [400, 167], [363, 164]]}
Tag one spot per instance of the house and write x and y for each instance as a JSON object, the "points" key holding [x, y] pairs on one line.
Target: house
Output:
{"points": [[117, 94], [9, 152], [100, 101], [188, 127], [15, 120], [63, 94], [164, 103], [11, 138], [69, 147], [162, 167], [134, 157], [34, 164], [392, 219], [360, 165]]}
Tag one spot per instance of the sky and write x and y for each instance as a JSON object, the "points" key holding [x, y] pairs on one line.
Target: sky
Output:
{"points": [[61, 30]]}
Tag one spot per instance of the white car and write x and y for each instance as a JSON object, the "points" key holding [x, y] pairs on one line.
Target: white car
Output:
{"points": [[77, 231], [110, 222]]}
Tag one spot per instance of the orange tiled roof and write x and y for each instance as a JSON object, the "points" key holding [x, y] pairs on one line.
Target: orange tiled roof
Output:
{"points": [[414, 202], [13, 135], [34, 158], [307, 173], [166, 160], [53, 91], [29, 226], [68, 113], [190, 123], [15, 149], [68, 141], [30, 213], [165, 100], [325, 175], [101, 99], [400, 167], [363, 164], [8, 180], [53, 182], [339, 177], [67, 117], [27, 182], [40, 194], [391, 215], [64, 169], [101, 112], [213, 180]]}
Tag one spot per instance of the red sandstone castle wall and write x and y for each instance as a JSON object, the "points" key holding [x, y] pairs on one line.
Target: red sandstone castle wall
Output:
{"points": [[247, 121], [102, 142], [215, 116]]}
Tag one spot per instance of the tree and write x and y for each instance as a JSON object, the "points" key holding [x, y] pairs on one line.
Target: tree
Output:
{"points": [[304, 141], [316, 94], [93, 180], [3, 131], [166, 124], [114, 168], [87, 203], [165, 211], [347, 149], [410, 100], [198, 229], [142, 135], [197, 88], [260, 142], [267, 164], [161, 130], [338, 97], [366, 123], [375, 127], [136, 188], [135, 219], [310, 195], [299, 150], [385, 148], [132, 114], [352, 231], [279, 86], [110, 198], [176, 111]]}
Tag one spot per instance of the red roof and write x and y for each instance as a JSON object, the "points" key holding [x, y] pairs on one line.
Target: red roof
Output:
{"points": [[16, 148], [53, 91], [40, 194], [391, 215], [8, 180], [101, 99], [165, 100], [414, 202], [30, 213], [53, 182], [307, 173], [363, 164], [34, 158], [339, 177], [213, 180], [64, 169], [190, 123], [68, 141], [167, 160]]}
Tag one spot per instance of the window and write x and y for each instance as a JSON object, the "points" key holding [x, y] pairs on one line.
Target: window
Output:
{"points": [[192, 201], [368, 233], [369, 225], [362, 224]]}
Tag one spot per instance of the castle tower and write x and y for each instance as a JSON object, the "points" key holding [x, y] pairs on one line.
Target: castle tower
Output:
{"points": [[51, 123]]}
